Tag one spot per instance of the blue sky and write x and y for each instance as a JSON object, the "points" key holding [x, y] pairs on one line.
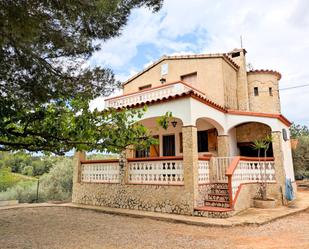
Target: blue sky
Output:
{"points": [[275, 34]]}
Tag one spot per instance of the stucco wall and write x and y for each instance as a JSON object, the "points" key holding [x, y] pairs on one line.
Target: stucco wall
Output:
{"points": [[211, 75], [263, 102], [249, 191]]}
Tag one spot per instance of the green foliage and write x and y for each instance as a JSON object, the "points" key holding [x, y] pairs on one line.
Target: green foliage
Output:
{"points": [[299, 130], [46, 83], [164, 121], [58, 183], [28, 171], [301, 158], [262, 144], [9, 179], [24, 191], [55, 185], [26, 164], [96, 156]]}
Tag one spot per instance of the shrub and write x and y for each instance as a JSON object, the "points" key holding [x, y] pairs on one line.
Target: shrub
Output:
{"points": [[301, 158], [24, 191], [7, 179], [58, 183], [55, 185]]}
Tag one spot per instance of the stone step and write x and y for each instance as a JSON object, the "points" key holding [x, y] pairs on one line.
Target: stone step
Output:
{"points": [[227, 194], [213, 212], [217, 203], [219, 191], [217, 197]]}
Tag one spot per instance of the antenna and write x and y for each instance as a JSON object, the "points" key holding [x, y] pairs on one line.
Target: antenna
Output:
{"points": [[241, 41]]}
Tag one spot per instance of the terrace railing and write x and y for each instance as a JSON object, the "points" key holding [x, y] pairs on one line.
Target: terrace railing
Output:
{"points": [[157, 170], [150, 94], [203, 170], [249, 170], [100, 171]]}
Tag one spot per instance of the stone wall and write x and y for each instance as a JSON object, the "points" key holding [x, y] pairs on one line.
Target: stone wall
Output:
{"points": [[266, 101], [203, 190], [167, 199], [158, 198], [251, 131]]}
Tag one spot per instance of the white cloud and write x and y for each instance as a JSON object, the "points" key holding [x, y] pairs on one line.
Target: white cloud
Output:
{"points": [[275, 34]]}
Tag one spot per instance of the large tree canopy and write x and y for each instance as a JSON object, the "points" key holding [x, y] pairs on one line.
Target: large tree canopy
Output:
{"points": [[45, 81]]}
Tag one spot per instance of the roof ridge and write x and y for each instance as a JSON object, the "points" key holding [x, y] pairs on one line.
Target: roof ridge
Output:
{"points": [[267, 71], [189, 56]]}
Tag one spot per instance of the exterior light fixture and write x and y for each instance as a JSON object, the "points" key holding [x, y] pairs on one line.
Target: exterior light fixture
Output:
{"points": [[174, 123], [162, 80]]}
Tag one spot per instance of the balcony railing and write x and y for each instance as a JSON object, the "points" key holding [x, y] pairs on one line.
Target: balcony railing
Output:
{"points": [[150, 94]]}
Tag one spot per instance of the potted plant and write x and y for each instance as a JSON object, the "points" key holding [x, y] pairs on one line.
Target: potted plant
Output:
{"points": [[261, 200]]}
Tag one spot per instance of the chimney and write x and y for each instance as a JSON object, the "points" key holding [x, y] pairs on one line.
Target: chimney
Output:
{"points": [[239, 57]]}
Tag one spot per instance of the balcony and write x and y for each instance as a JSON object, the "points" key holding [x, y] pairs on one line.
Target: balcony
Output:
{"points": [[150, 94]]}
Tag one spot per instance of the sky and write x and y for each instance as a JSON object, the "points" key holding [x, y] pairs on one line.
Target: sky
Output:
{"points": [[275, 34]]}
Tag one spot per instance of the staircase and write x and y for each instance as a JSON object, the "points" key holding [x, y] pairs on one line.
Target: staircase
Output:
{"points": [[216, 203]]}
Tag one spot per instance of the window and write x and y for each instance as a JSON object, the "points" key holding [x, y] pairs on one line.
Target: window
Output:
{"points": [[164, 69], [256, 91], [142, 153], [189, 78], [169, 145], [144, 87], [270, 91], [180, 143], [202, 141]]}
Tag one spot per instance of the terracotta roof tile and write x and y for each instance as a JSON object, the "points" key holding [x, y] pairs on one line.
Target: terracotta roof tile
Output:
{"points": [[266, 71]]}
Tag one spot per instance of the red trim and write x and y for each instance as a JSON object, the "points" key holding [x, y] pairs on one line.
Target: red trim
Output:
{"points": [[204, 158], [236, 159], [257, 114], [100, 161], [207, 102], [212, 104], [240, 187], [230, 190], [232, 166], [161, 158], [156, 87], [156, 184]]}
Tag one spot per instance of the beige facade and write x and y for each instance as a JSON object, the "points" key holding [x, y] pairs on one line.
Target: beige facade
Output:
{"points": [[204, 163]]}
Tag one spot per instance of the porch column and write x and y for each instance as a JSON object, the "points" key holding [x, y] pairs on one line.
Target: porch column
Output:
{"points": [[190, 164], [223, 146], [279, 164], [78, 156]]}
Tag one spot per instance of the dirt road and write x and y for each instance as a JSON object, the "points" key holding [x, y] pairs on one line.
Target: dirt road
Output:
{"points": [[67, 228]]}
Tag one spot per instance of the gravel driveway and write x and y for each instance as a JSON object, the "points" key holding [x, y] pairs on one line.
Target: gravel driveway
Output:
{"points": [[62, 227]]}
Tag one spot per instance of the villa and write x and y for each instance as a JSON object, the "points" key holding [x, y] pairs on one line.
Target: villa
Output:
{"points": [[204, 164]]}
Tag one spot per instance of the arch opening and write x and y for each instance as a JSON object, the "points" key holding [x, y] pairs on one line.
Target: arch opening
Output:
{"points": [[243, 136], [169, 140], [207, 136]]}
